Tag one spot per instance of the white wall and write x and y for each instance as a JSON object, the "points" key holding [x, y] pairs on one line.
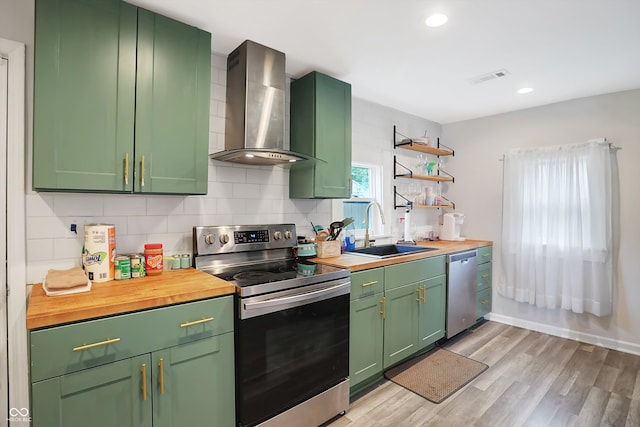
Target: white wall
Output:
{"points": [[478, 190]]}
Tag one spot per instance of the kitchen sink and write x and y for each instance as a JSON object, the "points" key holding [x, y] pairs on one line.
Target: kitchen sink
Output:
{"points": [[388, 251]]}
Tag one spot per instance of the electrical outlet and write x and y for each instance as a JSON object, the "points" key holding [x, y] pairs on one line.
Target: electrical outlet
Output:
{"points": [[75, 227]]}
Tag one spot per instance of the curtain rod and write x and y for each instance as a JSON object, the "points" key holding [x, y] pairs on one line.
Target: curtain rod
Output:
{"points": [[611, 146]]}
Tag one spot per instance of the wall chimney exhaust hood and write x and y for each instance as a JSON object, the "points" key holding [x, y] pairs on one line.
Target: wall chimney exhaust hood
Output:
{"points": [[255, 114]]}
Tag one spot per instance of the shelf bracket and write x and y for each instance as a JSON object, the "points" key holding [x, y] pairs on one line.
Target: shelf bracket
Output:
{"points": [[453, 178], [453, 205], [396, 163], [453, 152], [408, 205]]}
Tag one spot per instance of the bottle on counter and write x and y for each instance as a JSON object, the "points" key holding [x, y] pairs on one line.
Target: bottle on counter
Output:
{"points": [[153, 258]]}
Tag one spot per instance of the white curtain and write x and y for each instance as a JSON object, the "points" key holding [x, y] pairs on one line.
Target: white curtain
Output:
{"points": [[557, 229]]}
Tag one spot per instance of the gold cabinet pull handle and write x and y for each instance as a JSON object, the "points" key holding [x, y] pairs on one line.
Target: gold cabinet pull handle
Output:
{"points": [[126, 169], [484, 301], [486, 255], [383, 312], [96, 344], [196, 322], [373, 282], [142, 171], [419, 299], [161, 366], [144, 381], [485, 275]]}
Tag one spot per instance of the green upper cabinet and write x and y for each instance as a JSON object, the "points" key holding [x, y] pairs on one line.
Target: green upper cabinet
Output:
{"points": [[84, 94], [321, 128], [172, 106], [104, 68]]}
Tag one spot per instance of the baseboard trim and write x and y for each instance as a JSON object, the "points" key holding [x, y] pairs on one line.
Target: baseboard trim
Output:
{"points": [[624, 346]]}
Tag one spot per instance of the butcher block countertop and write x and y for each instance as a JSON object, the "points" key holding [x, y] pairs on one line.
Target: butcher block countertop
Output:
{"points": [[122, 296], [360, 262]]}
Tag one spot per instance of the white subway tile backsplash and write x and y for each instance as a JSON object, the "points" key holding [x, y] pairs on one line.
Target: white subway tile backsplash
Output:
{"points": [[45, 227], [40, 249], [78, 204], [232, 206], [246, 191], [231, 174], [131, 244], [216, 124], [219, 190], [125, 205], [147, 224], [68, 248], [200, 205], [165, 205], [180, 223], [274, 191], [218, 92], [39, 204]]}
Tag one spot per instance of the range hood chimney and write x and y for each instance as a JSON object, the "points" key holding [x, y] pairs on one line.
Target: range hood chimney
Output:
{"points": [[255, 114]]}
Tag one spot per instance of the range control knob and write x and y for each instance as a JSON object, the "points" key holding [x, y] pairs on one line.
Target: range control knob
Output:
{"points": [[277, 235], [287, 234], [208, 239], [224, 239]]}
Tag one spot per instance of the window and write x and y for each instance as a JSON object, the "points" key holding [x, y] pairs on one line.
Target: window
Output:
{"points": [[366, 188], [557, 226]]}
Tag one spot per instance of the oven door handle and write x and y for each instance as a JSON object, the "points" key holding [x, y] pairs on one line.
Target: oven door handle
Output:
{"points": [[306, 297]]}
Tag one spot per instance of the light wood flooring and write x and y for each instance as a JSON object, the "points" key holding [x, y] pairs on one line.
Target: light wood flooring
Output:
{"points": [[534, 379]]}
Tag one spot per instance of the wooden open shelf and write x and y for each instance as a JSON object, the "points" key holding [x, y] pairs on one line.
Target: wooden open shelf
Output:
{"points": [[437, 178], [422, 148], [434, 207]]}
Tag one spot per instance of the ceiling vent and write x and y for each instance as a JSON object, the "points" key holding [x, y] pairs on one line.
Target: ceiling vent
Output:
{"points": [[489, 76]]}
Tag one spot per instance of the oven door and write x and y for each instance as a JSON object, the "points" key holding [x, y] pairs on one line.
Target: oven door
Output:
{"points": [[295, 348]]}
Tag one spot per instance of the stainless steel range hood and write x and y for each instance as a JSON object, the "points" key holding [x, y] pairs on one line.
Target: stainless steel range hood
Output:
{"points": [[255, 114]]}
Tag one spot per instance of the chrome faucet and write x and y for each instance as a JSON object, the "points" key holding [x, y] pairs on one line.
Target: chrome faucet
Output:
{"points": [[367, 243]]}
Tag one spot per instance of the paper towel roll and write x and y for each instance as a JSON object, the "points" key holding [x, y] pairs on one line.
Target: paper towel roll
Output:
{"points": [[407, 226]]}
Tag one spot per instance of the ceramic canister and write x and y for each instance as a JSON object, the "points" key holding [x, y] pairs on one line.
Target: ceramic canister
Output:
{"points": [[99, 252]]}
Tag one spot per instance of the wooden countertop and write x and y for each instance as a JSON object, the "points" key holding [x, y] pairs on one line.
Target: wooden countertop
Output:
{"points": [[359, 262], [122, 296]]}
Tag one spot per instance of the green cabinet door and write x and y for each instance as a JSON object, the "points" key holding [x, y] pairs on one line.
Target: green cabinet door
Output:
{"points": [[321, 128], [84, 95], [105, 396], [401, 323], [172, 106], [365, 342], [194, 384], [432, 311]]}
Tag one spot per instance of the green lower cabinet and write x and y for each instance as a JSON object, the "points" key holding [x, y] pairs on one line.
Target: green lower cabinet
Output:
{"points": [[365, 338], [104, 396], [432, 311], [484, 303], [197, 386], [401, 323], [189, 385], [171, 366], [484, 280]]}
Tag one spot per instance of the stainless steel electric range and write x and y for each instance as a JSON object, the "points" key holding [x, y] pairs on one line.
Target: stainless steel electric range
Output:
{"points": [[291, 327]]}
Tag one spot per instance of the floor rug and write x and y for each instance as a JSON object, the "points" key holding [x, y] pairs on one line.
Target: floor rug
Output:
{"points": [[436, 375]]}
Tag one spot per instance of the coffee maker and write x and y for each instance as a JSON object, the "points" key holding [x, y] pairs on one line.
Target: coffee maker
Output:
{"points": [[450, 228]]}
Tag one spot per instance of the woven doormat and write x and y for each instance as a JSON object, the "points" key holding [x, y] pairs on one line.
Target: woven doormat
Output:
{"points": [[437, 375]]}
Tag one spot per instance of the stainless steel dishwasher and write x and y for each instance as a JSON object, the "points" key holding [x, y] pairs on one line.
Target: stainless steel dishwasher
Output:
{"points": [[462, 288]]}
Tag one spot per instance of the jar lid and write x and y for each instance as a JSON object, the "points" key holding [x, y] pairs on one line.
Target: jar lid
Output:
{"points": [[153, 246]]}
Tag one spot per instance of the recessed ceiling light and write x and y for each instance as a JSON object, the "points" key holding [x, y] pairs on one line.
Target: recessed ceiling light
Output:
{"points": [[436, 20], [524, 90]]}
